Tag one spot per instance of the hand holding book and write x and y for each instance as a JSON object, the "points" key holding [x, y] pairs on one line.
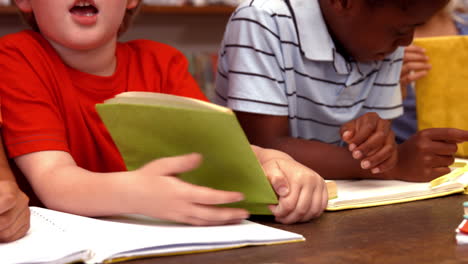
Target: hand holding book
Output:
{"points": [[303, 194], [183, 202], [428, 154], [149, 126]]}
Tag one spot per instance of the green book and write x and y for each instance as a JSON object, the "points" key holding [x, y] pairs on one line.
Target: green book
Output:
{"points": [[147, 126]]}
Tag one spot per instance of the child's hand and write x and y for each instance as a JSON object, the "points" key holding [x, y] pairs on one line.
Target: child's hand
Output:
{"points": [[372, 141], [302, 193], [157, 193], [14, 212], [415, 66], [427, 154]]}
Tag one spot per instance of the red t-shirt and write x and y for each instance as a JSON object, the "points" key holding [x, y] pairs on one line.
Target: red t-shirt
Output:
{"points": [[49, 106]]}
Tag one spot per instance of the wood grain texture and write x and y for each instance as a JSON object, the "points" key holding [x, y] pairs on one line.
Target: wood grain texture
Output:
{"points": [[415, 232]]}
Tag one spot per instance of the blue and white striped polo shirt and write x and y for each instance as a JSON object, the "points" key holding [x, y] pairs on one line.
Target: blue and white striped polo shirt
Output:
{"points": [[277, 58]]}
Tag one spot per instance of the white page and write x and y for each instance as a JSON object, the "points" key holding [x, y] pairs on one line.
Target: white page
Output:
{"points": [[61, 234], [367, 191], [44, 242], [361, 192]]}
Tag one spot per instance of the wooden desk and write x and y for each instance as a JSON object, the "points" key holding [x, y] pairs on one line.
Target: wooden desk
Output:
{"points": [[409, 233]]}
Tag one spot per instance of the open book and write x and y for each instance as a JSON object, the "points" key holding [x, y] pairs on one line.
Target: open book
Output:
{"points": [[367, 193], [147, 126], [57, 237]]}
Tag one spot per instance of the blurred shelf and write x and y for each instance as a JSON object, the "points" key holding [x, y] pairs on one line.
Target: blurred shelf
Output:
{"points": [[188, 10], [7, 10], [167, 10]]}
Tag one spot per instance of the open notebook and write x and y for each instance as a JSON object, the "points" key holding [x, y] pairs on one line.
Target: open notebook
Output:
{"points": [[57, 238], [366, 193]]}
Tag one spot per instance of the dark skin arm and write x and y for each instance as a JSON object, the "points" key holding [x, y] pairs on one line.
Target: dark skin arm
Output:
{"points": [[427, 154], [423, 157], [273, 132], [14, 210]]}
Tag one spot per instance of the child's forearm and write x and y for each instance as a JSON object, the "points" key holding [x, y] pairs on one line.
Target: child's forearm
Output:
{"points": [[76, 190], [330, 161], [61, 185]]}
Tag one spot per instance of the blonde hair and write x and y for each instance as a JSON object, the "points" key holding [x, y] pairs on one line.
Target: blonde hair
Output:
{"points": [[127, 20]]}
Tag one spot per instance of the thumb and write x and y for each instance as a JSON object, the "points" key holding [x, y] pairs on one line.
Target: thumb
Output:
{"points": [[174, 165], [277, 178], [347, 131]]}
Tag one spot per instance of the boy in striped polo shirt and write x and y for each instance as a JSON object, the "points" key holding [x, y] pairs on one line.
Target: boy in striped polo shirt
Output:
{"points": [[309, 76]]}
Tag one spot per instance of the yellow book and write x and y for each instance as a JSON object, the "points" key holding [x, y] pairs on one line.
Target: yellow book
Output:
{"points": [[441, 95], [57, 237], [367, 193]]}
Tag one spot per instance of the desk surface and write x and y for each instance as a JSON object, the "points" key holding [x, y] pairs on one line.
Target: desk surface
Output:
{"points": [[415, 232]]}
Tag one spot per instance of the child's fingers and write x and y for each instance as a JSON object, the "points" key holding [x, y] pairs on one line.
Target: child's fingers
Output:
{"points": [[436, 161], [417, 66], [436, 172], [347, 131], [371, 146], [416, 75], [174, 165], [318, 203], [386, 165], [445, 134], [208, 196], [438, 148], [212, 215], [8, 199], [430, 174], [382, 160], [375, 141], [415, 53], [412, 67], [382, 155], [16, 224], [415, 57], [296, 210], [277, 178], [365, 127], [287, 204]]}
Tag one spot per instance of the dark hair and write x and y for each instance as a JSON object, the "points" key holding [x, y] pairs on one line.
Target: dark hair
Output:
{"points": [[128, 18]]}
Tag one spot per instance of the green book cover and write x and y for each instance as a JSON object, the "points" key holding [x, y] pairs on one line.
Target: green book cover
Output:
{"points": [[147, 126]]}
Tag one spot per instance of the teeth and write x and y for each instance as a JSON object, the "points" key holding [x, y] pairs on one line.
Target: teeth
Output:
{"points": [[83, 3]]}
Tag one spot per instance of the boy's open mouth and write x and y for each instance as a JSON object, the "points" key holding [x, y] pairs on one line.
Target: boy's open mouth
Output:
{"points": [[84, 8]]}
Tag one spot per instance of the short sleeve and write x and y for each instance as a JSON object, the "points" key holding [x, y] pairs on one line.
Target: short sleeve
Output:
{"points": [[31, 121], [251, 74]]}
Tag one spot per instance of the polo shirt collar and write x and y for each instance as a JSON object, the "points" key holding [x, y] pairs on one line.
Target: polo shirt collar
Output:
{"points": [[314, 39]]}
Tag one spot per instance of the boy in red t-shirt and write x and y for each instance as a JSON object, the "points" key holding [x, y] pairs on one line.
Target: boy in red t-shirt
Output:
{"points": [[51, 81]]}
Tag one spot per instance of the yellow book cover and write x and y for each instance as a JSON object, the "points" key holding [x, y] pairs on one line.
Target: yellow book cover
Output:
{"points": [[441, 95]]}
